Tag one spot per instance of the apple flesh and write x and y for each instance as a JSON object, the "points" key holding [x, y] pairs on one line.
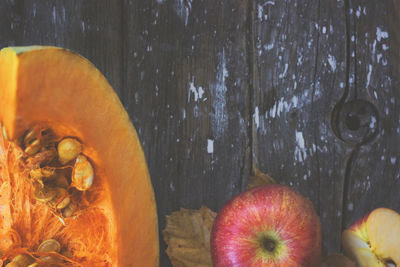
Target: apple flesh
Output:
{"points": [[270, 225], [374, 240]]}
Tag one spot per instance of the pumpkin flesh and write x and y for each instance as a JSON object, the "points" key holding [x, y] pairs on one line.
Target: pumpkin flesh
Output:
{"points": [[57, 88]]}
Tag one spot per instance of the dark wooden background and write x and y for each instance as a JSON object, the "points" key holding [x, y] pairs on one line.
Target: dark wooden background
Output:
{"points": [[308, 91]]}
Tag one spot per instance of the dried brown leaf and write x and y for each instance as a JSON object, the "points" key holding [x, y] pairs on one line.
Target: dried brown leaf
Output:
{"points": [[187, 234], [259, 179]]}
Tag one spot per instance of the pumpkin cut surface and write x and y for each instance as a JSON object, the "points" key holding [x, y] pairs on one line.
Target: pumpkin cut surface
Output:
{"points": [[72, 169]]}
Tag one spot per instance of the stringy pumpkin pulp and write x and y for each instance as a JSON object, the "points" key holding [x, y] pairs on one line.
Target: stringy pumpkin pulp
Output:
{"points": [[26, 222]]}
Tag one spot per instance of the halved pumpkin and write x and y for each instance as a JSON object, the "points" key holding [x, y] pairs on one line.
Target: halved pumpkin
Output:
{"points": [[56, 89]]}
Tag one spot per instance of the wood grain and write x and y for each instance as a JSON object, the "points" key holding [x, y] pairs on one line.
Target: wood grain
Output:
{"points": [[300, 76], [373, 179], [186, 70], [91, 28]]}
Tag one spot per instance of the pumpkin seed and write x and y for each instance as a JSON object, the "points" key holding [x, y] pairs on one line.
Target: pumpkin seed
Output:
{"points": [[13, 264], [68, 149], [23, 260], [51, 260], [61, 200], [49, 245], [44, 194], [45, 172], [69, 210], [33, 148], [34, 265], [30, 137], [65, 202], [82, 174]]}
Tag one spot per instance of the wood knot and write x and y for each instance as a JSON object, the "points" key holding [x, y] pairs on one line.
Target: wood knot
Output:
{"points": [[357, 122]]}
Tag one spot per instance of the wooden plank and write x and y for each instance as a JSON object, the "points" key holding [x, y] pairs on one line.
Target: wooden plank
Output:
{"points": [[299, 59], [11, 16], [186, 71], [91, 28], [374, 176]]}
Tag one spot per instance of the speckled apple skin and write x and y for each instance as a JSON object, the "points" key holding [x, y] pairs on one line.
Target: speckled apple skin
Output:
{"points": [[265, 208]]}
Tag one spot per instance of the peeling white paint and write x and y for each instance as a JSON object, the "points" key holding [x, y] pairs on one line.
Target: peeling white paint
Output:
{"points": [[54, 15], [268, 47], [381, 34], [332, 62], [369, 75], [358, 12], [172, 187], [183, 8], [350, 206], [256, 117], [282, 106], [295, 101], [372, 123], [299, 60], [197, 92], [284, 71], [210, 146], [386, 110], [300, 153], [378, 57], [260, 11], [220, 116], [373, 47], [34, 10]]}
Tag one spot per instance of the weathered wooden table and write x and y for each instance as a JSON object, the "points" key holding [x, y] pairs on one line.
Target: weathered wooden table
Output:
{"points": [[308, 91]]}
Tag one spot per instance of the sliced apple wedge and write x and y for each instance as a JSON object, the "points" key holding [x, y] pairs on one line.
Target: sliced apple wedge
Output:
{"points": [[374, 240], [383, 228], [358, 249], [336, 260]]}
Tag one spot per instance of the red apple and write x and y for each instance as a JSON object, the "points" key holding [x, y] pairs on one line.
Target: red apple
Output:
{"points": [[374, 240], [269, 225]]}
